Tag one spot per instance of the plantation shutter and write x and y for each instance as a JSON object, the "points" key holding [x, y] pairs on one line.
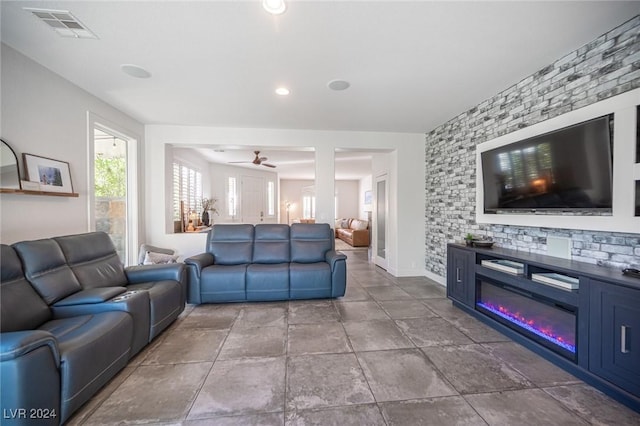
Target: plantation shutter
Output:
{"points": [[187, 187]]}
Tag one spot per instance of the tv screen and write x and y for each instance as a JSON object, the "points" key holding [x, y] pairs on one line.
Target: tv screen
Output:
{"points": [[567, 169]]}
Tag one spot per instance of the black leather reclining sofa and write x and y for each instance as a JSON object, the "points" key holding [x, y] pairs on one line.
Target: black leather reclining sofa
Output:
{"points": [[71, 317]]}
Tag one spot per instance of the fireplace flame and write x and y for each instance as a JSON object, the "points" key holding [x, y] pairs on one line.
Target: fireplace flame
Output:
{"points": [[529, 324]]}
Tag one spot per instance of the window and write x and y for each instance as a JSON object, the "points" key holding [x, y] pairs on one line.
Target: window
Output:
{"points": [[309, 207], [110, 167], [113, 179], [187, 189], [271, 198], [232, 197]]}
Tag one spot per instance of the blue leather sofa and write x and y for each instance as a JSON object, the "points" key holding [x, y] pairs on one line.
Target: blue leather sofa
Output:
{"points": [[267, 262], [71, 317]]}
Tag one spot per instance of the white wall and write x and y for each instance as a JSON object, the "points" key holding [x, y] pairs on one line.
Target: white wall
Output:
{"points": [[348, 198], [46, 115], [365, 184], [405, 167]]}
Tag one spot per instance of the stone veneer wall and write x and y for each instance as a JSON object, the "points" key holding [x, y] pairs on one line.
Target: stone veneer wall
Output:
{"points": [[606, 67]]}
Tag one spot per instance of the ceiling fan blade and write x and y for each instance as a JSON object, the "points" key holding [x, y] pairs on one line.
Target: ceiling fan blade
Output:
{"points": [[269, 165]]}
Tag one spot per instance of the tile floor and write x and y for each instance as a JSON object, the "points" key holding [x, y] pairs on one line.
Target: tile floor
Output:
{"points": [[393, 351]]}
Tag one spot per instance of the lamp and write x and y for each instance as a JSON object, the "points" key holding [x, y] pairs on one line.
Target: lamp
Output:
{"points": [[193, 221], [287, 205], [274, 7]]}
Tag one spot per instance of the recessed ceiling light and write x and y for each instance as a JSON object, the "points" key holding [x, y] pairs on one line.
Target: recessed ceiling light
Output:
{"points": [[274, 7], [135, 71], [282, 91], [338, 85]]}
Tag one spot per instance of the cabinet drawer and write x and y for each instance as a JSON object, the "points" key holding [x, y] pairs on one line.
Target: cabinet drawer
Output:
{"points": [[614, 348]]}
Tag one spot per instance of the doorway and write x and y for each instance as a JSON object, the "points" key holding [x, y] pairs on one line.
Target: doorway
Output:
{"points": [[252, 198], [380, 229]]}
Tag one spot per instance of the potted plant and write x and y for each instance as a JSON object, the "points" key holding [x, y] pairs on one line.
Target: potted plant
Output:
{"points": [[208, 210], [468, 239]]}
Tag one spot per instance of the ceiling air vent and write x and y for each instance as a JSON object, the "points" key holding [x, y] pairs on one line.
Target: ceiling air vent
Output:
{"points": [[62, 22]]}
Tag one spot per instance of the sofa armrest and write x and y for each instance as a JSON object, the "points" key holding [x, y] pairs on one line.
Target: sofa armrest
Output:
{"points": [[30, 377], [332, 256], [338, 263], [15, 344], [158, 272], [195, 265], [360, 237], [199, 262]]}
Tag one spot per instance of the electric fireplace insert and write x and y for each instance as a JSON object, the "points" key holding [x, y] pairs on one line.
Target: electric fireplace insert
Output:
{"points": [[548, 322]]}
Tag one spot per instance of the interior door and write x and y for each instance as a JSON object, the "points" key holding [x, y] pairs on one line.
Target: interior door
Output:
{"points": [[252, 199], [380, 225]]}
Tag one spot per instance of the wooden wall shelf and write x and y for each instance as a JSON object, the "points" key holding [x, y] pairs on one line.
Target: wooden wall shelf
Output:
{"points": [[27, 192]]}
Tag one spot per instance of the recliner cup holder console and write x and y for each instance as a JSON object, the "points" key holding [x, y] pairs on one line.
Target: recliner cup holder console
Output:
{"points": [[125, 296]]}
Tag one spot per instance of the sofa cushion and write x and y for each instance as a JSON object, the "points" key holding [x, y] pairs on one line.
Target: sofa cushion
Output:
{"points": [[345, 232], [223, 283], [20, 306], [231, 244], [93, 348], [93, 259], [271, 244], [46, 269], [268, 282], [309, 280], [310, 242]]}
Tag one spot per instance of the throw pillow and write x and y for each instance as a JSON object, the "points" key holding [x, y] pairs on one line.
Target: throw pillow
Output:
{"points": [[359, 225], [144, 248], [152, 258]]}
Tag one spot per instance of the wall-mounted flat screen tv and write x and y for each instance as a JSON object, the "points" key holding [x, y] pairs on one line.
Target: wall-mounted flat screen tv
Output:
{"points": [[568, 169]]}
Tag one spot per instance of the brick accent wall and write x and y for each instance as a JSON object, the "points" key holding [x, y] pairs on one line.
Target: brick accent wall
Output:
{"points": [[606, 67]]}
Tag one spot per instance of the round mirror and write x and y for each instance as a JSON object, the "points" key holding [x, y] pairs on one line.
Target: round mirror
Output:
{"points": [[9, 172]]}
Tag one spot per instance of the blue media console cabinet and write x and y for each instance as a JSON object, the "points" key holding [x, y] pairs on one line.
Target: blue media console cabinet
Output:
{"points": [[583, 318]]}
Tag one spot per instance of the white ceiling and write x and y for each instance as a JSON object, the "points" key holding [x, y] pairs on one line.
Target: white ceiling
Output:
{"points": [[412, 65]]}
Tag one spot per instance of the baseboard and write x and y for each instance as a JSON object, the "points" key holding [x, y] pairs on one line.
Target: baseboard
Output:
{"points": [[415, 272], [437, 278]]}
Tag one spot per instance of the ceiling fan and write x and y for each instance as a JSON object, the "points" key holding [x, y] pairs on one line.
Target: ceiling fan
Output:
{"points": [[258, 161]]}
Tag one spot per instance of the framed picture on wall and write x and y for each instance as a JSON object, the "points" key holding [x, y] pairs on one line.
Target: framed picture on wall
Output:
{"points": [[52, 175], [368, 197]]}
